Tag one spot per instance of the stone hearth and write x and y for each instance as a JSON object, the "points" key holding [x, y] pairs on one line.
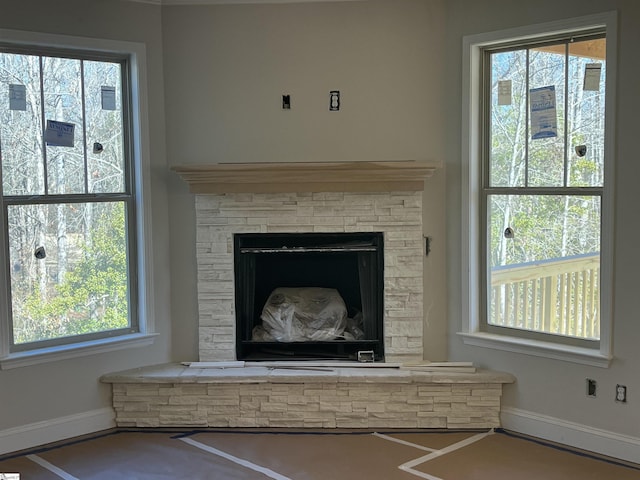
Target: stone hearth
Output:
{"points": [[176, 396]]}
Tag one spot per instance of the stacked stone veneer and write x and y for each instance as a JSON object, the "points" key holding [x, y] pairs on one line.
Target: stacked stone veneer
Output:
{"points": [[397, 214], [346, 398]]}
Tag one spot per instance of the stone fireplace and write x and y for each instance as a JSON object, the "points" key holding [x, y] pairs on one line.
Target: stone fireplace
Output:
{"points": [[312, 202], [353, 198]]}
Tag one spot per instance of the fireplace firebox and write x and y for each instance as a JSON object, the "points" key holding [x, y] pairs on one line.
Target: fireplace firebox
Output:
{"points": [[288, 284]]}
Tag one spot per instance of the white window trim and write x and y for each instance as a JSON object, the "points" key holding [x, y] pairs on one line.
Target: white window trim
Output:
{"points": [[471, 229], [141, 165]]}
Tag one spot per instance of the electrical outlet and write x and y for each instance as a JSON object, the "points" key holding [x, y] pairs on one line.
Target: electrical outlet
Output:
{"points": [[591, 387], [621, 393]]}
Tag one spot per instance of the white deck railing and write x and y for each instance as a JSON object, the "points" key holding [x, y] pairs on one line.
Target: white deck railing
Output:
{"points": [[559, 296]]}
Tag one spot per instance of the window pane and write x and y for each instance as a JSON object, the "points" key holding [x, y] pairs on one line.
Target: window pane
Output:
{"points": [[68, 269], [586, 112], [543, 266], [20, 125], [546, 154], [103, 98], [63, 103], [508, 129]]}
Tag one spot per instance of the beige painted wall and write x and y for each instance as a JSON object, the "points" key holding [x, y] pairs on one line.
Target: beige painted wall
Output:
{"points": [[226, 68], [546, 386], [58, 389], [398, 65]]}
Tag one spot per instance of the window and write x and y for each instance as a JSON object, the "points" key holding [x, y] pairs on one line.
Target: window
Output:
{"points": [[538, 190], [71, 216]]}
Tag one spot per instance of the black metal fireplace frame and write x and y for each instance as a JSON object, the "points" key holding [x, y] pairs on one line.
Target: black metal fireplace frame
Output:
{"points": [[358, 256]]}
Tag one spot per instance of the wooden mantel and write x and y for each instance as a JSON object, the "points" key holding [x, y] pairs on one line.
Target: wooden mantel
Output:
{"points": [[298, 177]]}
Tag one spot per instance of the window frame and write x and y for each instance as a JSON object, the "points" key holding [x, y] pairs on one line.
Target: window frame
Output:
{"points": [[140, 265], [474, 330]]}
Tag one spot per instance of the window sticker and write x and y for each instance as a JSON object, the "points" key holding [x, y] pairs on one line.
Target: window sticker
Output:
{"points": [[544, 119], [504, 92], [59, 134], [17, 97], [108, 97], [592, 73]]}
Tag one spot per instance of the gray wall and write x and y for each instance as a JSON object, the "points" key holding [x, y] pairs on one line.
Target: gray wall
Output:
{"points": [[398, 66], [545, 386], [57, 389], [226, 68]]}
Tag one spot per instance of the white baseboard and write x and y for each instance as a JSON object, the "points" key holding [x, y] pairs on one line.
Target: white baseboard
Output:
{"points": [[574, 434], [40, 433]]}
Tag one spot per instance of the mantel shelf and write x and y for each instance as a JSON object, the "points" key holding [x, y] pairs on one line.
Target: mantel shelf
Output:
{"points": [[302, 177]]}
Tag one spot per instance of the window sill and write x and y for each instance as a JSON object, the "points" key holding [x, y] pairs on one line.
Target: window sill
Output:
{"points": [[536, 348], [64, 352]]}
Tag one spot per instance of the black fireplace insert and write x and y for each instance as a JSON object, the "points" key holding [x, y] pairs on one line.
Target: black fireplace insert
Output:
{"points": [[309, 296]]}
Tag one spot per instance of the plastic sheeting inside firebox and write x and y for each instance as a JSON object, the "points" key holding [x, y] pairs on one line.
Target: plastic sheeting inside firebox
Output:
{"points": [[306, 314]]}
